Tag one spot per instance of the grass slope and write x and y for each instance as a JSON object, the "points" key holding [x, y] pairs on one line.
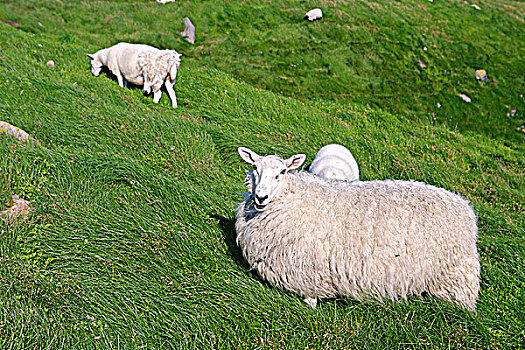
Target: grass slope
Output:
{"points": [[362, 52], [131, 241]]}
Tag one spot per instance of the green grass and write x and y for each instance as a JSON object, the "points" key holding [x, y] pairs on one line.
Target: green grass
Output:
{"points": [[5, 189], [131, 242], [362, 52]]}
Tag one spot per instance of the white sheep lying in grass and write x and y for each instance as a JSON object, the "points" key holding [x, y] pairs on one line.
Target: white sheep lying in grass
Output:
{"points": [[335, 162], [141, 65], [384, 239]]}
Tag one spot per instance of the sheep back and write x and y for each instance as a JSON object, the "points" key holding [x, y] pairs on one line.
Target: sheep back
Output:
{"points": [[123, 58], [385, 239], [335, 162]]}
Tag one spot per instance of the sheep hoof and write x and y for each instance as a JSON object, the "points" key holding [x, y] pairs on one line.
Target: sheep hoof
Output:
{"points": [[311, 301]]}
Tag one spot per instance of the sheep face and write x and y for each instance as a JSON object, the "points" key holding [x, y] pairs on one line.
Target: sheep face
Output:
{"points": [[267, 177], [96, 65]]}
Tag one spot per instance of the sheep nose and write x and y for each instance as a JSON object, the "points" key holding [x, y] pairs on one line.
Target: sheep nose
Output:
{"points": [[261, 199]]}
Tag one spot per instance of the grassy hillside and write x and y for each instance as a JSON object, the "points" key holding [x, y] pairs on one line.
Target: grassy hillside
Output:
{"points": [[131, 241], [362, 52]]}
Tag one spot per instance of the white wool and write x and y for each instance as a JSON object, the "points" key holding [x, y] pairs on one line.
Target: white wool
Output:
{"points": [[141, 65], [313, 15], [158, 66], [386, 239], [335, 162]]}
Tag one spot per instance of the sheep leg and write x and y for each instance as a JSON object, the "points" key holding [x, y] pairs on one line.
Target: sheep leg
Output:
{"points": [[171, 92], [120, 81], [311, 301], [156, 96]]}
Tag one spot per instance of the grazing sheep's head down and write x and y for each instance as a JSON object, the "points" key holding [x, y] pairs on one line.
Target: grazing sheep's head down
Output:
{"points": [[96, 65], [267, 177]]}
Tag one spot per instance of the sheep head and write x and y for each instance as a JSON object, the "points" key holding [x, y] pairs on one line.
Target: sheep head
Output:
{"points": [[96, 65], [267, 177]]}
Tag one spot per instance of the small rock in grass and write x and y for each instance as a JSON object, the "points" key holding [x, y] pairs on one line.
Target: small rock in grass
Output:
{"points": [[465, 98], [14, 131], [481, 75], [313, 15], [10, 23], [50, 63], [20, 207], [438, 105], [476, 7]]}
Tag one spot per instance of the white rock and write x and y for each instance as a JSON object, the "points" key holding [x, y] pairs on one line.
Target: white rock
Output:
{"points": [[313, 15], [465, 98]]}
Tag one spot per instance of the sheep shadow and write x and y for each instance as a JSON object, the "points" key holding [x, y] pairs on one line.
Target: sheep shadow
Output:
{"points": [[129, 85], [227, 225]]}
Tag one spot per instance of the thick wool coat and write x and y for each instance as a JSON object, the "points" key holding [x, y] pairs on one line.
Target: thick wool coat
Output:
{"points": [[385, 239]]}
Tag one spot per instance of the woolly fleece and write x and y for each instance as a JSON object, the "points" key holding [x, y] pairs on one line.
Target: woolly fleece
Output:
{"points": [[141, 65], [384, 239]]}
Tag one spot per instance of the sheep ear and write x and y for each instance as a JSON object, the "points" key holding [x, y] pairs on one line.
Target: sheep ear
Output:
{"points": [[295, 161], [248, 155]]}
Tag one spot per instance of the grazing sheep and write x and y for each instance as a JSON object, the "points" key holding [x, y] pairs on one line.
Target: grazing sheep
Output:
{"points": [[313, 15], [384, 239], [335, 162], [141, 65]]}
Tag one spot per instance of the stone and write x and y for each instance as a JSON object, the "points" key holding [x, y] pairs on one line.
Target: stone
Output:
{"points": [[189, 32], [21, 207]]}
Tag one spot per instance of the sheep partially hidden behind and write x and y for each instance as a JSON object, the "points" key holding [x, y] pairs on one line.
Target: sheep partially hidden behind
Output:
{"points": [[335, 162], [326, 239], [141, 65]]}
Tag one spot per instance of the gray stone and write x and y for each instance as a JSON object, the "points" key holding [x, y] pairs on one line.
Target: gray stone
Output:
{"points": [[189, 32], [21, 207]]}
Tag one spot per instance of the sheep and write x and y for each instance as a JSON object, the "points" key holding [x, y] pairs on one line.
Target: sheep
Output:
{"points": [[387, 239], [313, 15], [335, 162], [141, 65]]}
